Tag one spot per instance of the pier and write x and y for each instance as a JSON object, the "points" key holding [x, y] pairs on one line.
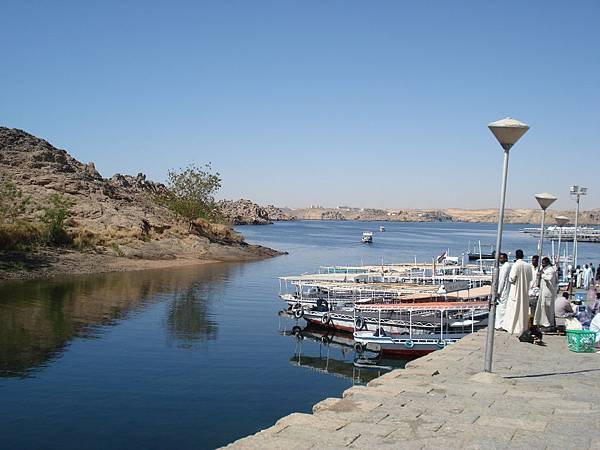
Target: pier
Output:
{"points": [[539, 397]]}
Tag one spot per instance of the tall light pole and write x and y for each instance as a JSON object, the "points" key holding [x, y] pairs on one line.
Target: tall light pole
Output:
{"points": [[561, 221], [576, 193], [507, 131]]}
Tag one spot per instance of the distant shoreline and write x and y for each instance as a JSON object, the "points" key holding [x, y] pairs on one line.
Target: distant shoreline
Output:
{"points": [[513, 216]]}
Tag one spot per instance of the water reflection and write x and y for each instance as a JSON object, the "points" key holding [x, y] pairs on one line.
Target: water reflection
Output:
{"points": [[39, 318], [332, 352], [188, 320]]}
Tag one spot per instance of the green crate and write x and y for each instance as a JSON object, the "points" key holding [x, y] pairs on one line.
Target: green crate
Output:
{"points": [[581, 341]]}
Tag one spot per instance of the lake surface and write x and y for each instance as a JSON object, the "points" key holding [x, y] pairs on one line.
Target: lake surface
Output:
{"points": [[190, 358]]}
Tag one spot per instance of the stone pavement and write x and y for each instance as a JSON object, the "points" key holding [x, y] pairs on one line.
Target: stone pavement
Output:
{"points": [[538, 398]]}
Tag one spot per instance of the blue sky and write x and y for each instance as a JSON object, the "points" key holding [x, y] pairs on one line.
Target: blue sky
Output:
{"points": [[379, 104]]}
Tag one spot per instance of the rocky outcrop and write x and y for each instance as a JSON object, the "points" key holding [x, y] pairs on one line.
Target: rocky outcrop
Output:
{"points": [[278, 214], [245, 212], [118, 215]]}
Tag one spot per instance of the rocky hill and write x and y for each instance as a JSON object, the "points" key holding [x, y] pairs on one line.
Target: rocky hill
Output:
{"points": [[519, 216], [116, 215], [245, 212]]}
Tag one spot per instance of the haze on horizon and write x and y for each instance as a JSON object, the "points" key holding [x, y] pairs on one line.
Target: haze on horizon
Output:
{"points": [[381, 105]]}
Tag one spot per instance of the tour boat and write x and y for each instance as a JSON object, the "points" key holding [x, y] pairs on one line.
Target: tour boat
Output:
{"points": [[416, 341], [397, 318]]}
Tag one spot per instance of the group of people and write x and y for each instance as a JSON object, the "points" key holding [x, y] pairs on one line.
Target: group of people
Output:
{"points": [[583, 278], [526, 290]]}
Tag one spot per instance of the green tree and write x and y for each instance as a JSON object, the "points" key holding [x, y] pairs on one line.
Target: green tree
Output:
{"points": [[54, 219], [191, 192], [12, 202]]}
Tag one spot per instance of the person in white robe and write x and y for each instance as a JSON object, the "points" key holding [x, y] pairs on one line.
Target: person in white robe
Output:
{"points": [[579, 277], [516, 318], [534, 288], [545, 309], [503, 290], [588, 275]]}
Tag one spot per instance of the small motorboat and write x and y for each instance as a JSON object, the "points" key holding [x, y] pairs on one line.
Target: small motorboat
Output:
{"points": [[382, 228], [367, 237]]}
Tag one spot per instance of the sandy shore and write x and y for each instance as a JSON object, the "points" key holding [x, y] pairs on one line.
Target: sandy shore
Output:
{"points": [[50, 263]]}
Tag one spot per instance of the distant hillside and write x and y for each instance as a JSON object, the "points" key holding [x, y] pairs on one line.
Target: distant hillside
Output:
{"points": [[522, 216]]}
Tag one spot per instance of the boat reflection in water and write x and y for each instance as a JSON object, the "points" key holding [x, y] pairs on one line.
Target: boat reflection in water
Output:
{"points": [[327, 351]]}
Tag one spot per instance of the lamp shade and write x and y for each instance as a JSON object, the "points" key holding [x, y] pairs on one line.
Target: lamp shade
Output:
{"points": [[561, 220], [545, 199], [508, 131]]}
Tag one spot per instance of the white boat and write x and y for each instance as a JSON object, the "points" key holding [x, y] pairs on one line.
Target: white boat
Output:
{"points": [[566, 234], [382, 228], [367, 237], [417, 341], [398, 318], [403, 344]]}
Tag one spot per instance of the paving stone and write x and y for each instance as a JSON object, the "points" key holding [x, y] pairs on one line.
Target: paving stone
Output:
{"points": [[258, 442], [312, 437], [510, 422], [367, 418], [524, 439], [374, 430]]}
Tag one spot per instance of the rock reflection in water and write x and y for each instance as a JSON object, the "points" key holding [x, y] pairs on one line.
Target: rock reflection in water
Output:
{"points": [[39, 318], [336, 355]]}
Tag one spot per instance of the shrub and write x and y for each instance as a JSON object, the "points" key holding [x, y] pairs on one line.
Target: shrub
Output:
{"points": [[84, 238], [115, 248], [20, 234], [54, 219], [190, 193], [12, 202]]}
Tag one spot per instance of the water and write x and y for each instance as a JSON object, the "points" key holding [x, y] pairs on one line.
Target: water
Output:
{"points": [[193, 357]]}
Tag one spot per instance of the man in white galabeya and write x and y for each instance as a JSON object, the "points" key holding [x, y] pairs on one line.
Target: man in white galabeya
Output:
{"points": [[588, 275], [503, 290], [516, 318]]}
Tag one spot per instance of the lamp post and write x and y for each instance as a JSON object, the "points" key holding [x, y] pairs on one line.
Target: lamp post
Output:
{"points": [[507, 131], [576, 193], [561, 221], [544, 200]]}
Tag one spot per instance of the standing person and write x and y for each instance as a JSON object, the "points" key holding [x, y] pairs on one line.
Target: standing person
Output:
{"points": [[534, 288], [598, 275], [570, 274], [578, 277], [516, 318], [587, 277], [535, 259], [544, 311], [503, 290]]}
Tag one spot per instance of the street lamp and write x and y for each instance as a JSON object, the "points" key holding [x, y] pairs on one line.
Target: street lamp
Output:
{"points": [[561, 221], [544, 200], [576, 192], [507, 131]]}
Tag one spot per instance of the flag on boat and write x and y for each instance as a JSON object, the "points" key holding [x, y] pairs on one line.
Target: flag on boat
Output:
{"points": [[442, 256]]}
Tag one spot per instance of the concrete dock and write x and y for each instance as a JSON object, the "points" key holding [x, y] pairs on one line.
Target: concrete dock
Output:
{"points": [[539, 397]]}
